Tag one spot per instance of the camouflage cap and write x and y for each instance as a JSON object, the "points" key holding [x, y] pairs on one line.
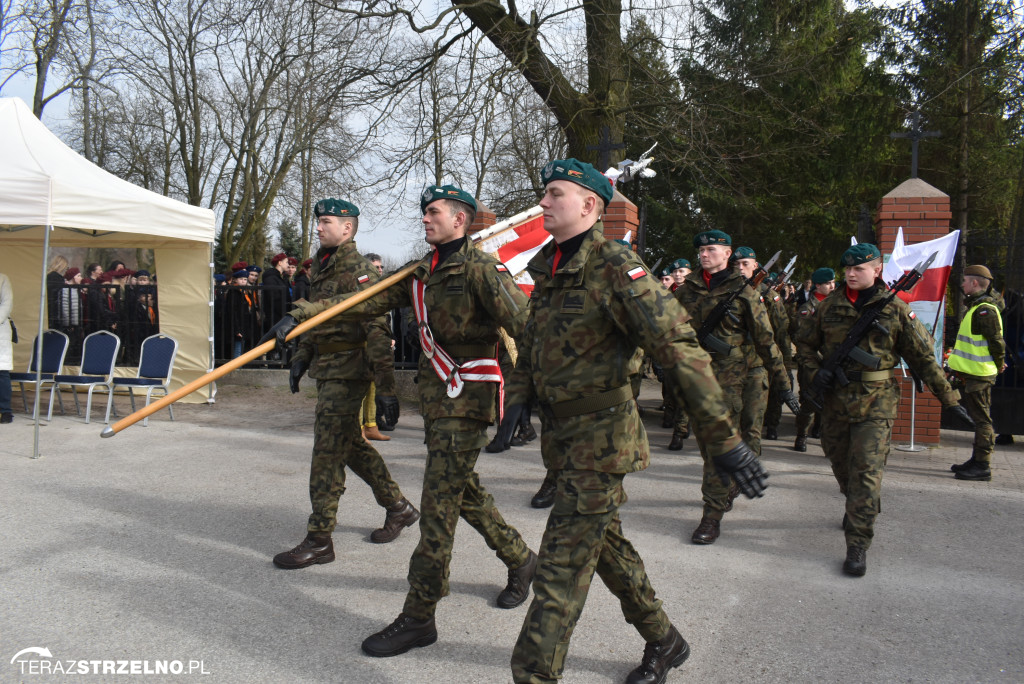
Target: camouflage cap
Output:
{"points": [[432, 193], [712, 237], [978, 271], [860, 254], [744, 253], [580, 173], [335, 207], [823, 275], [681, 263]]}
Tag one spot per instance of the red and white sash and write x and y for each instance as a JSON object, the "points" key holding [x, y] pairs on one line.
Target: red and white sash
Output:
{"points": [[451, 373]]}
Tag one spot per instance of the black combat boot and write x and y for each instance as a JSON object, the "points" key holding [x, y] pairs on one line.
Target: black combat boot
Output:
{"points": [[545, 496], [519, 580], [401, 635], [801, 443], [856, 561], [1001, 440], [771, 432], [707, 531], [816, 427], [496, 445], [677, 441], [957, 467], [401, 514], [316, 548], [974, 471], [668, 418], [660, 657], [527, 432]]}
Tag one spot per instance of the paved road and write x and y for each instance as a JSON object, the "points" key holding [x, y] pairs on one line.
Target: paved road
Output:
{"points": [[155, 546]]}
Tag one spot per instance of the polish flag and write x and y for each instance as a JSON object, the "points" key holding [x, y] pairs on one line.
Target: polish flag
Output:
{"points": [[515, 243], [932, 286]]}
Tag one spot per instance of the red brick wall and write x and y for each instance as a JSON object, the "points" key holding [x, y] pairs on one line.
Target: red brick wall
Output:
{"points": [[620, 217], [923, 212]]}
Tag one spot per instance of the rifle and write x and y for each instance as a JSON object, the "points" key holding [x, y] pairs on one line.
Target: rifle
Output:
{"points": [[786, 274], [832, 370], [705, 334]]}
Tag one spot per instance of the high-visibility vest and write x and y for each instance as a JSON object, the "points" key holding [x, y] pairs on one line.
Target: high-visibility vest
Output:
{"points": [[970, 353]]}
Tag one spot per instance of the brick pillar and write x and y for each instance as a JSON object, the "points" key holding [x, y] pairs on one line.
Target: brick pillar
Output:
{"points": [[485, 218], [620, 217], [923, 212]]}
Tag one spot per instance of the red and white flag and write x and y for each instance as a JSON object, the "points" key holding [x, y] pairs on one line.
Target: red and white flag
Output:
{"points": [[932, 286], [514, 245]]}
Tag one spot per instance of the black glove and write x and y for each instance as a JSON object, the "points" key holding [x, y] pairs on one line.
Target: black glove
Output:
{"points": [[387, 408], [960, 415], [823, 378], [509, 423], [790, 399], [741, 463], [295, 373], [280, 331]]}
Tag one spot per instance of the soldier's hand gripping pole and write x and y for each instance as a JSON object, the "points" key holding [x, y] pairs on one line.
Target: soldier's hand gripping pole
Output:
{"points": [[257, 352]]}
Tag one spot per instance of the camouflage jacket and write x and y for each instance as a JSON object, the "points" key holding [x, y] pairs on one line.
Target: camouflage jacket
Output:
{"points": [[468, 297], [779, 319], [904, 337], [748, 325], [345, 271], [586, 324]]}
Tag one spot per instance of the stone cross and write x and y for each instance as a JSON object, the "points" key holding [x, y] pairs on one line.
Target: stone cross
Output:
{"points": [[604, 149], [915, 134]]}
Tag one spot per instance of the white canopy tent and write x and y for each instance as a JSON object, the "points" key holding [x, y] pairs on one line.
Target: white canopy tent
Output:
{"points": [[44, 183]]}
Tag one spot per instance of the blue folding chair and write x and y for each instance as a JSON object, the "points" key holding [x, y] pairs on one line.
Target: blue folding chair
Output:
{"points": [[156, 363], [55, 347], [99, 352]]}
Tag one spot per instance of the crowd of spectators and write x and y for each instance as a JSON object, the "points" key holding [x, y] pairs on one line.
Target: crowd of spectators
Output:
{"points": [[118, 300]]}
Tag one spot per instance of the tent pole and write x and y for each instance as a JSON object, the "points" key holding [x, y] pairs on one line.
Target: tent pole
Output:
{"points": [[39, 340]]}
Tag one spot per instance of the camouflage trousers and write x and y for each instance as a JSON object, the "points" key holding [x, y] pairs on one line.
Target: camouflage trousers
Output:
{"points": [[338, 443], [452, 489], [979, 407], [773, 407], [858, 453], [680, 421], [715, 492], [583, 536], [755, 400]]}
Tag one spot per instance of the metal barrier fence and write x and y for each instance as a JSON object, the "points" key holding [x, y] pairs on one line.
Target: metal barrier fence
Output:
{"points": [[130, 312], [242, 314]]}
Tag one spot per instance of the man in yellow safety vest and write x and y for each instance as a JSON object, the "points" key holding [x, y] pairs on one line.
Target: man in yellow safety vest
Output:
{"points": [[977, 358]]}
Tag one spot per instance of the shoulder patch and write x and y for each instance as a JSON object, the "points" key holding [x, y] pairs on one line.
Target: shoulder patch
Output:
{"points": [[761, 298], [913, 315], [805, 312], [983, 312], [777, 298], [500, 267], [363, 279], [636, 272]]}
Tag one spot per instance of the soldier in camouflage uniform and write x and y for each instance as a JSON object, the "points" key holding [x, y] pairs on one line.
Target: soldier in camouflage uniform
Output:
{"points": [[780, 326], [747, 332], [335, 354], [468, 295], [857, 419], [593, 304], [977, 359], [823, 281]]}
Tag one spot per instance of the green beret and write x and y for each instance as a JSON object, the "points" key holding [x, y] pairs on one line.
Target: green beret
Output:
{"points": [[432, 193], [681, 263], [744, 253], [335, 207], [580, 173], [823, 275], [860, 254], [712, 237], [665, 272]]}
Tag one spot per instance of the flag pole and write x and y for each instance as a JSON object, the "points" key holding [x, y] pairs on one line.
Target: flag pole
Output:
{"points": [[257, 352]]}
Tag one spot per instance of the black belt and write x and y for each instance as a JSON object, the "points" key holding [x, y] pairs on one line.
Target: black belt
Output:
{"points": [[869, 376], [474, 351], [589, 404], [335, 347]]}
